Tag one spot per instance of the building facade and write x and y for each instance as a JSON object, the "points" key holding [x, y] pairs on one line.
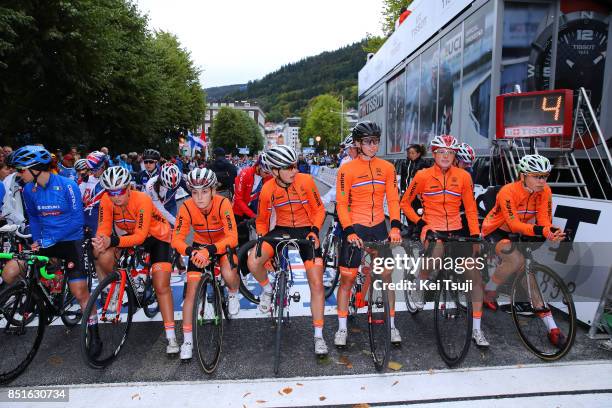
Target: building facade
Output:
{"points": [[254, 112]]}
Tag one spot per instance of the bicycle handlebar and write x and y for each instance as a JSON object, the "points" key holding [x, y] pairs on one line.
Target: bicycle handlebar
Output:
{"points": [[30, 258], [14, 229], [433, 235], [518, 237]]}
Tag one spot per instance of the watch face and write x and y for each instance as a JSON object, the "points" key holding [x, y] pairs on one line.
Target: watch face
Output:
{"points": [[581, 55]]}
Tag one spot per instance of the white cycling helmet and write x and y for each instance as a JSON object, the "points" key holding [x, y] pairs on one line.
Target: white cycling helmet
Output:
{"points": [[115, 178], [444, 141], [198, 179], [534, 163], [81, 165], [170, 175], [280, 156], [348, 142], [466, 153]]}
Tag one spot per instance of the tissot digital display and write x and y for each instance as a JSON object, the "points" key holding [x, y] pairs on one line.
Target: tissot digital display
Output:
{"points": [[534, 114]]}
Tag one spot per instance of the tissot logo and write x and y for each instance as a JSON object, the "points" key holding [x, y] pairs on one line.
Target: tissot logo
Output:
{"points": [[526, 131]]}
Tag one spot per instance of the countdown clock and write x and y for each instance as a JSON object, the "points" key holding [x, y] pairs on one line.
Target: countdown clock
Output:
{"points": [[534, 114], [581, 55]]}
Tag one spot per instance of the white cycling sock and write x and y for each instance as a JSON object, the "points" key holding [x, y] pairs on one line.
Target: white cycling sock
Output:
{"points": [[318, 332], [549, 321], [476, 323], [342, 323], [188, 337], [392, 319]]}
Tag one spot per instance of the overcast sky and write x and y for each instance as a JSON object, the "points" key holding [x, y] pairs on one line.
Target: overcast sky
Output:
{"points": [[234, 41]]}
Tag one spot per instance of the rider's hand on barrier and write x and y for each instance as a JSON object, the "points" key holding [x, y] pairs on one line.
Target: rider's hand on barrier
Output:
{"points": [[314, 237], [395, 236], [200, 257]]}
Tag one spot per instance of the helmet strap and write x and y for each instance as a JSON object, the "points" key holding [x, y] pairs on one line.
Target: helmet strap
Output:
{"points": [[279, 180]]}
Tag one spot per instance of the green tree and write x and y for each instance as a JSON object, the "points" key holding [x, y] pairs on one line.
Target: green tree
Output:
{"points": [[232, 129], [389, 15], [322, 118], [89, 71]]}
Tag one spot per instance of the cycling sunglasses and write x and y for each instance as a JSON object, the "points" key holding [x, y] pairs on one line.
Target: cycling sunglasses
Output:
{"points": [[117, 193], [445, 152], [540, 176], [368, 141], [290, 167]]}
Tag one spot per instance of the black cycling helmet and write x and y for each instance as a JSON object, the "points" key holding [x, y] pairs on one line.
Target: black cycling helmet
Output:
{"points": [[364, 129], [151, 154]]}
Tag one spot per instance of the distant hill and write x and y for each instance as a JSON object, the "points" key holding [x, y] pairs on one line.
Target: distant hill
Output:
{"points": [[217, 93], [286, 92]]}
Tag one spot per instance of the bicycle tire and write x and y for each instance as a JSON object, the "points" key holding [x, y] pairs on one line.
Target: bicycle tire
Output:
{"points": [[150, 305], [380, 339], [113, 352], [413, 250], [331, 246], [244, 273], [565, 307], [17, 291], [452, 354], [208, 355], [280, 288]]}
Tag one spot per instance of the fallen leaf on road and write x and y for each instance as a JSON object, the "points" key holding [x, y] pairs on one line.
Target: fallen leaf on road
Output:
{"points": [[519, 366], [394, 365], [322, 398], [299, 384], [356, 330], [345, 361], [136, 396], [366, 352], [361, 406], [287, 390], [245, 395], [55, 360], [395, 383], [281, 394], [261, 401]]}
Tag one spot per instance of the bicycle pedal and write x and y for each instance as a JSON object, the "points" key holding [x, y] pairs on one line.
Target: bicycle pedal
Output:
{"points": [[396, 344]]}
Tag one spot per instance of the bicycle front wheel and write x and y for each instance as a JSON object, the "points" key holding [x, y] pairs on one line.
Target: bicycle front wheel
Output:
{"points": [[208, 324], [379, 323], [22, 327], [452, 322], [279, 300], [541, 302], [114, 316]]}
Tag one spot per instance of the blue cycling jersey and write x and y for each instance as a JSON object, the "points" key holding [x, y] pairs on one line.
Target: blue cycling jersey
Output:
{"points": [[68, 172], [55, 211], [92, 192]]}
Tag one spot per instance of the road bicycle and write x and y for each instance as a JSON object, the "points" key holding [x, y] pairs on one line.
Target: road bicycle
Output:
{"points": [[115, 300]]}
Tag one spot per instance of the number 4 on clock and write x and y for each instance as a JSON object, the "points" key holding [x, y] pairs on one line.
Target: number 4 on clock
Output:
{"points": [[556, 108]]}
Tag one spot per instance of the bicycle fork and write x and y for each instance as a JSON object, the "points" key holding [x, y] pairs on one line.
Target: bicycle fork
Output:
{"points": [[109, 296]]}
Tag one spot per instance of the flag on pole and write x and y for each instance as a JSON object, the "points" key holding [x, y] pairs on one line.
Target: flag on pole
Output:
{"points": [[203, 136], [195, 143]]}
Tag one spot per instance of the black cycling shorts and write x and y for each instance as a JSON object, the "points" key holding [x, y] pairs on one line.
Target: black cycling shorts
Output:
{"points": [[71, 252], [350, 256], [458, 249], [307, 252], [158, 250]]}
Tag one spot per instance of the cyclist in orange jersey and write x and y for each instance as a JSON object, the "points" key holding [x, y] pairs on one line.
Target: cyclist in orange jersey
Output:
{"points": [[293, 199], [362, 186], [524, 207], [128, 218], [211, 217], [443, 190]]}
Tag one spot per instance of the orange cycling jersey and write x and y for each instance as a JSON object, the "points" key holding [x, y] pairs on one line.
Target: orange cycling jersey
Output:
{"points": [[298, 205], [361, 186], [442, 195], [139, 218], [215, 229], [515, 207]]}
